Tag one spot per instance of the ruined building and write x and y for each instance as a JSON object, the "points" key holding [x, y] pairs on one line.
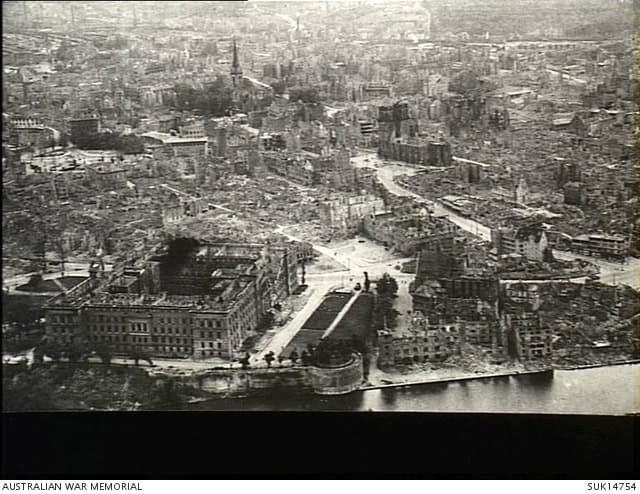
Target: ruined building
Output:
{"points": [[527, 336], [422, 342], [193, 301], [408, 233], [398, 139], [529, 240]]}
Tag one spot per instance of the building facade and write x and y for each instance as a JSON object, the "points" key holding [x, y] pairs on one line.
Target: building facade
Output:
{"points": [[423, 342], [600, 244], [195, 301]]}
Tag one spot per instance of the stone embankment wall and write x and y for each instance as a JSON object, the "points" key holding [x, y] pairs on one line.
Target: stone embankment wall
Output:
{"points": [[250, 381], [235, 382], [338, 380]]}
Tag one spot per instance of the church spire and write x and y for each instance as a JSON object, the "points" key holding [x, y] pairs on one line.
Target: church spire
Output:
{"points": [[236, 71]]}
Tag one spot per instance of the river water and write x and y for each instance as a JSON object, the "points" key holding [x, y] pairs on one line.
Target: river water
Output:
{"points": [[602, 391]]}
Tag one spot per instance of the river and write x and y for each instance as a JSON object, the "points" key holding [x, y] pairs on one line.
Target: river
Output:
{"points": [[600, 391]]}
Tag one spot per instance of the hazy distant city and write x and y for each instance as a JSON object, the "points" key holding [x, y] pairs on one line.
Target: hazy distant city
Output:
{"points": [[366, 205]]}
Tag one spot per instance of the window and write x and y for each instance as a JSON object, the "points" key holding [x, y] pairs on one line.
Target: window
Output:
{"points": [[210, 345]]}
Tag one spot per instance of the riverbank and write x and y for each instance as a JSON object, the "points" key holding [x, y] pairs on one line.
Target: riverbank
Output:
{"points": [[601, 364], [470, 377], [73, 386], [567, 392], [381, 379]]}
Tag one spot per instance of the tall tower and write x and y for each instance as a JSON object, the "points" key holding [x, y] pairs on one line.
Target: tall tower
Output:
{"points": [[236, 71]]}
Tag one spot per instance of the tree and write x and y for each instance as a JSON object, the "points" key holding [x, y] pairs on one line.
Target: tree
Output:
{"points": [[244, 361], [384, 315], [268, 358], [387, 286], [138, 354]]}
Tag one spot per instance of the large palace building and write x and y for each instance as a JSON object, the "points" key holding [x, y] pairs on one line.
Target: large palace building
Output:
{"points": [[193, 301]]}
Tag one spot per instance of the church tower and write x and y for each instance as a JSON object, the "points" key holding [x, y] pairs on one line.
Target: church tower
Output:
{"points": [[236, 71]]}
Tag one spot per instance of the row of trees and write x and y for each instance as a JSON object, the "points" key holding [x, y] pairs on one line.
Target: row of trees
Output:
{"points": [[81, 352], [306, 357]]}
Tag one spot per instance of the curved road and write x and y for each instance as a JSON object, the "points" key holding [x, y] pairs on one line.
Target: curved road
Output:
{"points": [[610, 273], [387, 170]]}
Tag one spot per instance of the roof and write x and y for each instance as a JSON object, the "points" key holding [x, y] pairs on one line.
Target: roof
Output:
{"points": [[258, 83], [169, 139], [561, 121], [600, 236]]}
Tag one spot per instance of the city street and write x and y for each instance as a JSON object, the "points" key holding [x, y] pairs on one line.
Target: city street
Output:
{"points": [[356, 256], [610, 272], [387, 170]]}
